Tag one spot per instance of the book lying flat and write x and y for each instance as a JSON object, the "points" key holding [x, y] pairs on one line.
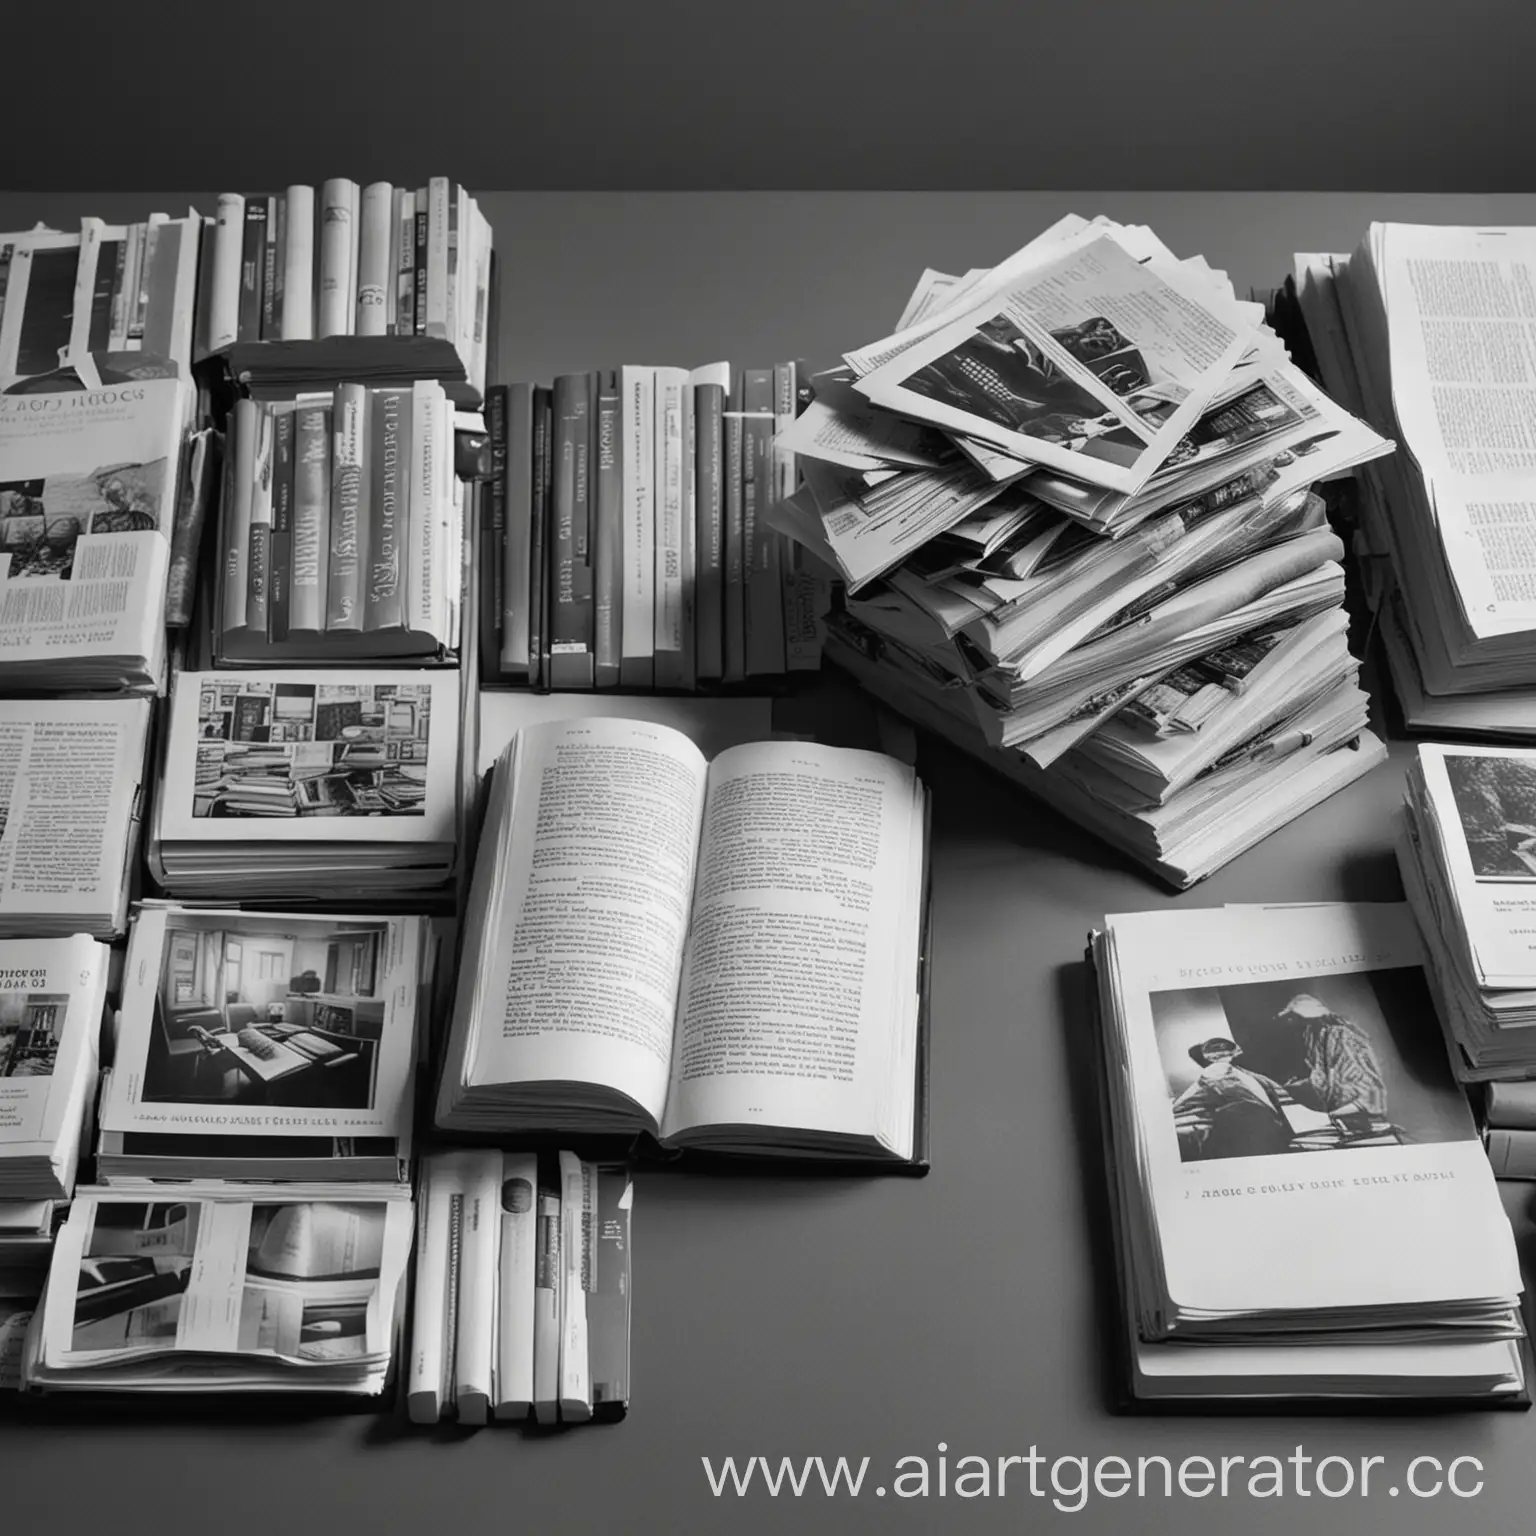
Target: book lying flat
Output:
{"points": [[726, 956]]}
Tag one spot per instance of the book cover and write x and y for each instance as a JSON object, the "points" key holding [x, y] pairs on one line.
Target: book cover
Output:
{"points": [[311, 517], [570, 626], [252, 268], [390, 432], [280, 578], [344, 577], [709, 530], [607, 537]]}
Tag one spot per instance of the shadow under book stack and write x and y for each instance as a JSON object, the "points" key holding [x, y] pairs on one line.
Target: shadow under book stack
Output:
{"points": [[626, 545]]}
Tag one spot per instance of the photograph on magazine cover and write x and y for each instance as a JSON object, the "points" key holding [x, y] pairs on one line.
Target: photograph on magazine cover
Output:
{"points": [[41, 521], [1496, 804], [299, 749], [30, 1026], [1323, 1063], [273, 1012], [133, 1275]]}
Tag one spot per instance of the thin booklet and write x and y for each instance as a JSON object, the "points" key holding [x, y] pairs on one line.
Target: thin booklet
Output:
{"points": [[727, 956]]}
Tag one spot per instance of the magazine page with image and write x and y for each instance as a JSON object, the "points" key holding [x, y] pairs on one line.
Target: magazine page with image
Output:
{"points": [[236, 1024], [315, 756], [1306, 1157], [1089, 363]]}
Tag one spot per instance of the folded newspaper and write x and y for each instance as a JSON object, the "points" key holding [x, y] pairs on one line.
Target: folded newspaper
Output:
{"points": [[1070, 496]]}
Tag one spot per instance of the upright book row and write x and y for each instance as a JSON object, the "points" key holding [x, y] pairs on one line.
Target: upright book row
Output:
{"points": [[341, 533], [627, 544]]}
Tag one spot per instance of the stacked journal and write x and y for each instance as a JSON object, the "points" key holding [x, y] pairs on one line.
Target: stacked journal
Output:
{"points": [[1302, 1207], [1467, 851], [726, 956], [1427, 329], [1068, 499], [52, 993], [522, 1289], [264, 1046], [299, 1288], [310, 785]]}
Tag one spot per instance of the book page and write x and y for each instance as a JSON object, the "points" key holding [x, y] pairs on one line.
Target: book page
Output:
{"points": [[582, 985], [797, 964]]}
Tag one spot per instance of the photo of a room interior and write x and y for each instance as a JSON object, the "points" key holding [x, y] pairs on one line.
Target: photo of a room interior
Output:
{"points": [[30, 1025], [133, 1275], [284, 1013]]}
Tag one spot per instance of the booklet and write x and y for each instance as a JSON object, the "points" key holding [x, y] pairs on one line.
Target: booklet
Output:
{"points": [[725, 955], [236, 1024]]}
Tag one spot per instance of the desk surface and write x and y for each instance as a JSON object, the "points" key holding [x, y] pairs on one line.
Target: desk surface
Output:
{"points": [[860, 1317]]}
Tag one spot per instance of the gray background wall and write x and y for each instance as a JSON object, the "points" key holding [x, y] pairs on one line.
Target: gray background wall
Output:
{"points": [[1387, 95]]}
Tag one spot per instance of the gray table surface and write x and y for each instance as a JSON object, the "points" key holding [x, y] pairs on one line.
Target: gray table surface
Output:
{"points": [[880, 1317]]}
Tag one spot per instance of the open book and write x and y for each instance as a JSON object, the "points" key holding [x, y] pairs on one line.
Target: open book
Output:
{"points": [[727, 956]]}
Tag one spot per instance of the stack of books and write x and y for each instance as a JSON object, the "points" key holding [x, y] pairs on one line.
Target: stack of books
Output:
{"points": [[315, 786], [225, 1288], [376, 284], [107, 304], [1467, 851], [1069, 501], [627, 544], [52, 996], [1301, 1205], [522, 1289], [264, 1046], [725, 957], [89, 481], [341, 539], [1424, 329]]}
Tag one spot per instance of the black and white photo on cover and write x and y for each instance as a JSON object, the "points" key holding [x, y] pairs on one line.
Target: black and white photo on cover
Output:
{"points": [[41, 521], [133, 1275], [30, 1026], [1495, 801], [316, 1240], [1323, 1063], [267, 1011], [300, 749]]}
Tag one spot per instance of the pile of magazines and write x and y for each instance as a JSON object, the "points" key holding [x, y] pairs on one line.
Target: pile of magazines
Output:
{"points": [[1069, 501], [1424, 330], [1467, 851], [1301, 1206]]}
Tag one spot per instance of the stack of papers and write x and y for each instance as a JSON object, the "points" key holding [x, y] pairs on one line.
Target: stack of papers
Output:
{"points": [[71, 790], [1424, 329], [221, 1290], [1303, 1208], [52, 995], [1467, 850], [264, 1046], [311, 786], [1069, 501]]}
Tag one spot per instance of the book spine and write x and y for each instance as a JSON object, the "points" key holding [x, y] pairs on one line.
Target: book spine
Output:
{"points": [[298, 311], [252, 259], [271, 268], [570, 649], [515, 1290], [421, 604], [82, 300], [709, 531], [538, 543], [546, 1316], [637, 445], [608, 1301], [202, 287], [430, 1351], [245, 425], [373, 260], [493, 530], [279, 583], [687, 551], [391, 261], [98, 331], [141, 286], [481, 332], [117, 331], [390, 423], [735, 541], [257, 567], [405, 267], [479, 1250], [518, 531], [224, 303], [668, 621], [419, 279], [802, 628], [608, 537], [760, 541], [438, 200], [451, 326], [311, 516], [197, 487], [577, 1206], [338, 220], [343, 606]]}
